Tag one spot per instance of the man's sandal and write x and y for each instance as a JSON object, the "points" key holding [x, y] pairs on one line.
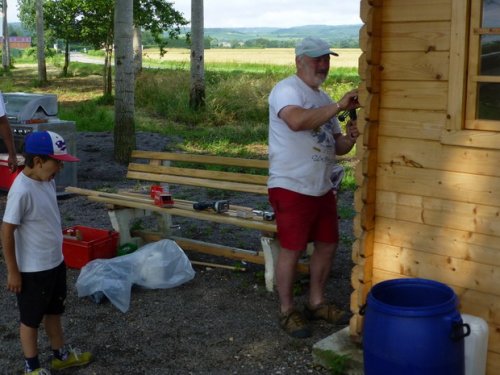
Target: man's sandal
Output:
{"points": [[328, 313], [295, 324]]}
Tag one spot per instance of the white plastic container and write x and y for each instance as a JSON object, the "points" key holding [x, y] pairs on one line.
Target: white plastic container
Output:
{"points": [[475, 345]]}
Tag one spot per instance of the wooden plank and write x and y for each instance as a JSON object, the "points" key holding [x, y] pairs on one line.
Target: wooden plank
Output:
{"points": [[139, 198], [234, 209], [205, 247], [494, 338], [434, 155], [469, 217], [457, 65], [215, 249], [415, 66], [416, 36], [373, 80], [416, 10], [454, 186], [358, 297], [214, 184], [470, 96], [466, 245], [479, 304], [251, 223], [450, 270], [493, 363], [364, 39], [216, 265], [365, 244], [430, 95], [362, 271], [128, 196], [472, 138], [202, 159], [198, 173], [365, 9], [365, 171], [415, 124]]}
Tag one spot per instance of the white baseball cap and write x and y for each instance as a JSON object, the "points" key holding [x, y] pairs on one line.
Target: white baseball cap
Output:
{"points": [[313, 47]]}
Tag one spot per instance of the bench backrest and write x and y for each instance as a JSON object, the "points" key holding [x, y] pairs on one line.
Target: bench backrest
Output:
{"points": [[160, 167]]}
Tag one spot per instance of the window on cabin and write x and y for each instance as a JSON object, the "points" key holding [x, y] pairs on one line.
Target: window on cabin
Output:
{"points": [[483, 83]]}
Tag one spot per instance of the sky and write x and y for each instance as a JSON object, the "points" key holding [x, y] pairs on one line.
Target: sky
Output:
{"points": [[262, 13]]}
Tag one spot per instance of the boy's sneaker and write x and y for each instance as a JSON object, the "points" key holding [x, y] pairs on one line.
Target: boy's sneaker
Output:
{"points": [[38, 371], [295, 324], [74, 358]]}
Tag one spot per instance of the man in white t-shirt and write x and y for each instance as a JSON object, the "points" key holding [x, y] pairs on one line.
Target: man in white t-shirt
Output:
{"points": [[304, 137], [6, 134]]}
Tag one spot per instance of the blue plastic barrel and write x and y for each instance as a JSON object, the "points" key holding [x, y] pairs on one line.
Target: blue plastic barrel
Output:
{"points": [[413, 327]]}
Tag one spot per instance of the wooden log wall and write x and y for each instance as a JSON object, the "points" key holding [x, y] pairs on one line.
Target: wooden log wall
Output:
{"points": [[366, 170], [425, 208]]}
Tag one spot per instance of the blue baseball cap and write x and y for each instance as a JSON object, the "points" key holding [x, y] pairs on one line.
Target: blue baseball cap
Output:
{"points": [[313, 47], [47, 143]]}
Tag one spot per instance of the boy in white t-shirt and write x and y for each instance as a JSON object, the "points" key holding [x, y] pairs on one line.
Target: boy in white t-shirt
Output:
{"points": [[32, 246]]}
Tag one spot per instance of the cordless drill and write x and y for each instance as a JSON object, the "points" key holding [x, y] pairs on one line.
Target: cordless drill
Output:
{"points": [[219, 206]]}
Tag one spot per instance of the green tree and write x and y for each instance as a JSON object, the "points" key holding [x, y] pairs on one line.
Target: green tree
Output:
{"points": [[94, 22], [97, 30], [61, 16], [160, 19]]}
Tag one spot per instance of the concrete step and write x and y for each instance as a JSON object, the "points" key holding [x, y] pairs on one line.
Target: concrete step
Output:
{"points": [[338, 352]]}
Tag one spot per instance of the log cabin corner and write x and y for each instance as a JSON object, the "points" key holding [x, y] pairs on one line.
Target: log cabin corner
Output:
{"points": [[428, 196]]}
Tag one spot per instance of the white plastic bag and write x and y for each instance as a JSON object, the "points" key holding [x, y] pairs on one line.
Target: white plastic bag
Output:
{"points": [[161, 264]]}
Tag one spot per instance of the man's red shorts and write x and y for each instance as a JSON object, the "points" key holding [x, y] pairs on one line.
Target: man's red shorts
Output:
{"points": [[303, 218]]}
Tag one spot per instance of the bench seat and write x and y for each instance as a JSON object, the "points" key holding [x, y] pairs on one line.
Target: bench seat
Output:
{"points": [[203, 171]]}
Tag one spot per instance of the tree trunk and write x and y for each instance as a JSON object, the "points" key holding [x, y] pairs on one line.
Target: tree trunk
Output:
{"points": [[137, 50], [40, 38], [197, 93], [6, 46], [66, 59], [108, 72], [124, 132]]}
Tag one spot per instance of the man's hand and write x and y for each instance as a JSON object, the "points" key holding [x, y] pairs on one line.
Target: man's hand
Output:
{"points": [[12, 161], [349, 100], [352, 131]]}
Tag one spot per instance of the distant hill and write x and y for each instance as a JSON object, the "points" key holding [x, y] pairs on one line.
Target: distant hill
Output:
{"points": [[339, 36]]}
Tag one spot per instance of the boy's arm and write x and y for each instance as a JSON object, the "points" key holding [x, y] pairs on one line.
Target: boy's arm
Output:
{"points": [[9, 252]]}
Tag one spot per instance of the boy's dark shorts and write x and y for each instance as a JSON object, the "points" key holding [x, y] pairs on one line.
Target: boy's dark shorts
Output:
{"points": [[42, 293]]}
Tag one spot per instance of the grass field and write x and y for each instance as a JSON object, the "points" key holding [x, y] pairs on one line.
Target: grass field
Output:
{"points": [[348, 57], [234, 119]]}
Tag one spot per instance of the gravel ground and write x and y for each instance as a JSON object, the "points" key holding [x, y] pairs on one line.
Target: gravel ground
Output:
{"points": [[221, 322]]}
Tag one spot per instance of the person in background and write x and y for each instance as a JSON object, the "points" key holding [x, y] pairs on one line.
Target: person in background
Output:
{"points": [[304, 137], [6, 135], [32, 245]]}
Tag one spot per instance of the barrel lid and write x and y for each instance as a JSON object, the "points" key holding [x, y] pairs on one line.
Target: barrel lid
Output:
{"points": [[412, 297]]}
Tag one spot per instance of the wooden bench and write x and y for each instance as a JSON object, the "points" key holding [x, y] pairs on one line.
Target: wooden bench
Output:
{"points": [[203, 171]]}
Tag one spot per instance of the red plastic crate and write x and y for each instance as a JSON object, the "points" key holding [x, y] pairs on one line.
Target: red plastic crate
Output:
{"points": [[94, 244]]}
